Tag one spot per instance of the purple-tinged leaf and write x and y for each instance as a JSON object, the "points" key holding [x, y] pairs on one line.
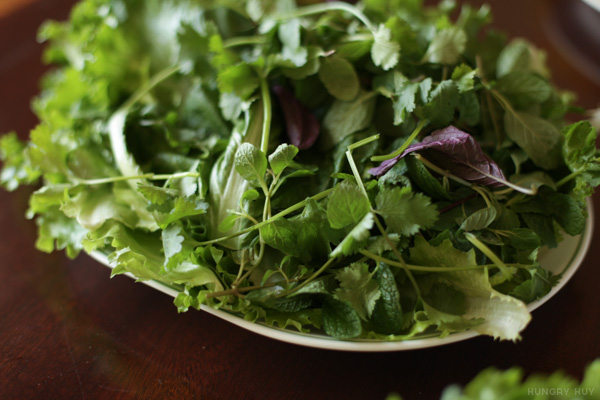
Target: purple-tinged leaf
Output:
{"points": [[301, 125], [456, 151]]}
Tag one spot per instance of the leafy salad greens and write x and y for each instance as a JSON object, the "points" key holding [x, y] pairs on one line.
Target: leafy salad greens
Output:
{"points": [[380, 170]]}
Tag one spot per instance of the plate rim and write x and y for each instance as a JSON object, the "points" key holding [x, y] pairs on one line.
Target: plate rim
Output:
{"points": [[357, 345]]}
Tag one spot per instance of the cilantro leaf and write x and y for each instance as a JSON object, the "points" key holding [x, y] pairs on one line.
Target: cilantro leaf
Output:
{"points": [[405, 212]]}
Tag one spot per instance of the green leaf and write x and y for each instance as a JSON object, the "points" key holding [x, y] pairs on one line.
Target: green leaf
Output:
{"points": [[281, 235], [442, 103], [238, 79], [543, 226], [480, 219], [421, 176], [524, 89], [539, 138], [358, 288], [289, 35], [387, 316], [515, 57], [384, 52], [282, 157], [346, 117], [502, 316], [464, 78], [579, 146], [405, 212], [405, 102], [16, 169], [347, 205], [523, 239], [357, 237], [339, 78], [446, 47], [446, 299], [250, 162], [173, 246], [340, 320]]}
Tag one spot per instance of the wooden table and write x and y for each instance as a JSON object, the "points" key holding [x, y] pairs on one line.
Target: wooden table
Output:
{"points": [[68, 331]]}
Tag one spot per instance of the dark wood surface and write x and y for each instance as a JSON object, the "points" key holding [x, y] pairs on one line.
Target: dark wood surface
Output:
{"points": [[67, 331]]}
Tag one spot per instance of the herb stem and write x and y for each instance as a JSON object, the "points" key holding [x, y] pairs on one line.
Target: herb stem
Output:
{"points": [[267, 114], [326, 7], [283, 213], [149, 176], [312, 277], [243, 41], [569, 177], [424, 268], [489, 253], [404, 146]]}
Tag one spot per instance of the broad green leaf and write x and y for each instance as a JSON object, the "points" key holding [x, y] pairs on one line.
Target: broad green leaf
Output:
{"points": [[347, 205], [250, 162], [282, 157], [524, 89], [480, 219], [281, 235], [339, 78], [384, 52], [356, 239], [238, 79], [405, 212], [503, 316], [539, 138], [340, 320], [387, 316], [515, 57], [347, 117], [446, 47]]}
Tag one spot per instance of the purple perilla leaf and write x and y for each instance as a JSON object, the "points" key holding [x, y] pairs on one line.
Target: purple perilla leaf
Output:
{"points": [[455, 151], [301, 125]]}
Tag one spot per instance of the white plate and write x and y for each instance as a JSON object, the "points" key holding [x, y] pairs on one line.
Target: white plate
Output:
{"points": [[593, 3], [566, 258]]}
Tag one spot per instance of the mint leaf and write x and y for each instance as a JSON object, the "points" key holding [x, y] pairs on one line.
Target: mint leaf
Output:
{"points": [[387, 316], [480, 219], [524, 89], [405, 212], [539, 138], [340, 320]]}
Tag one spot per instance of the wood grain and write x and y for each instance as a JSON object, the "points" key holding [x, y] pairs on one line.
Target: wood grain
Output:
{"points": [[68, 331]]}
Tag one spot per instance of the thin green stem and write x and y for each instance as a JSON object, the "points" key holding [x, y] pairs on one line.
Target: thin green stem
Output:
{"points": [[327, 7], [569, 177], [424, 268], [311, 278], [283, 213], [243, 41], [149, 176], [267, 114], [404, 146], [356, 173], [489, 253]]}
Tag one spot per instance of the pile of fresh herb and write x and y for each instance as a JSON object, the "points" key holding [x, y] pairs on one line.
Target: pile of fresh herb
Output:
{"points": [[511, 384], [378, 170]]}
